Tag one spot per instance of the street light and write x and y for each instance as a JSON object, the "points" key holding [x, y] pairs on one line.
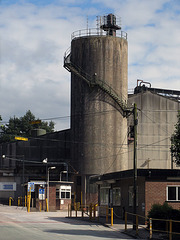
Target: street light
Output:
{"points": [[61, 174], [49, 168]]}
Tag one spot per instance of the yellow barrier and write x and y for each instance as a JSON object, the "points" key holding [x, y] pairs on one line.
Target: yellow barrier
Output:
{"points": [[91, 210], [169, 223], [47, 206], [10, 201]]}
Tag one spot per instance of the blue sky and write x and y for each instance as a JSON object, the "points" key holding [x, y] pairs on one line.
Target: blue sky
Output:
{"points": [[36, 33]]}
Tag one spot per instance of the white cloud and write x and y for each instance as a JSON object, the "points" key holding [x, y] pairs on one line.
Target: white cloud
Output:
{"points": [[35, 37]]}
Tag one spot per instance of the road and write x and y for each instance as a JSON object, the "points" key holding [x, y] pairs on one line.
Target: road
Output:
{"points": [[17, 224]]}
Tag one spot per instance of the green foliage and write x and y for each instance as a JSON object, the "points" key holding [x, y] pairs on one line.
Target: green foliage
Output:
{"points": [[175, 142], [22, 127], [166, 212]]}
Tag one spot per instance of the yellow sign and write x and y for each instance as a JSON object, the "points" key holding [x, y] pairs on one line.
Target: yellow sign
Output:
{"points": [[21, 138], [35, 122]]}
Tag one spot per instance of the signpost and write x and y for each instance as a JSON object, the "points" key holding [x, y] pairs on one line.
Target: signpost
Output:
{"points": [[31, 187], [41, 194]]}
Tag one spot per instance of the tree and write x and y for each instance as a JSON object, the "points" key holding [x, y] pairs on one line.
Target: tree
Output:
{"points": [[22, 127], [175, 142]]}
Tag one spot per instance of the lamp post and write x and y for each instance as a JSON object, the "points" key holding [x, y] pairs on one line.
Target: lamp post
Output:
{"points": [[49, 168], [61, 174]]}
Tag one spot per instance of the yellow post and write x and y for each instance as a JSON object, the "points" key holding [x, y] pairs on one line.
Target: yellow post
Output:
{"points": [[150, 228], [170, 229], [28, 202], [136, 224], [111, 216], [10, 200], [106, 214], [125, 221], [18, 201]]}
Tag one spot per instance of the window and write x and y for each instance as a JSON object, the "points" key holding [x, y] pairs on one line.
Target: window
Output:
{"points": [[131, 193], [173, 193], [57, 193], [104, 195], [116, 197], [65, 192]]}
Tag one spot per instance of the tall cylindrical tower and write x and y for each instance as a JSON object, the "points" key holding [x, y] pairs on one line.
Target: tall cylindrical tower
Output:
{"points": [[98, 63]]}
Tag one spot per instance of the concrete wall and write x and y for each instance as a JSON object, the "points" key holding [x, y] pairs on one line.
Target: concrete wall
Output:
{"points": [[157, 116], [98, 128]]}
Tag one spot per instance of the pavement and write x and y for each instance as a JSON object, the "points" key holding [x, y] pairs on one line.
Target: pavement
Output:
{"points": [[17, 224]]}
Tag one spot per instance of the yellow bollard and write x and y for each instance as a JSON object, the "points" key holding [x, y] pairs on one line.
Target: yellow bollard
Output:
{"points": [[107, 214], [150, 228], [18, 201], [10, 201], [111, 216], [125, 221], [47, 206], [28, 203]]}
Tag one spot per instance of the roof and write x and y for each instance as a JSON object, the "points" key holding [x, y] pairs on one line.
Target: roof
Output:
{"points": [[153, 174]]}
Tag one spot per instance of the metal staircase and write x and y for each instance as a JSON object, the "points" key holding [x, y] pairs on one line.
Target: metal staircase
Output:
{"points": [[94, 81]]}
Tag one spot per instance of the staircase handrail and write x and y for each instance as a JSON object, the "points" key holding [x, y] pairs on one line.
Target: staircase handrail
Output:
{"points": [[92, 81]]}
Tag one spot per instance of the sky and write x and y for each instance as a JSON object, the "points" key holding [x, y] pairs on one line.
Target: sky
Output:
{"points": [[34, 35]]}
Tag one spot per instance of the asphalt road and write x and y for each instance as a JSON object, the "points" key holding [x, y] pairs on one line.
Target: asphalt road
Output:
{"points": [[17, 224]]}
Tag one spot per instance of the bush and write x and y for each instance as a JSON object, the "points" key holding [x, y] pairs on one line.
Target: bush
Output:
{"points": [[166, 212]]}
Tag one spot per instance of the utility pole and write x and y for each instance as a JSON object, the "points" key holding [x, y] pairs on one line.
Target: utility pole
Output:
{"points": [[135, 165]]}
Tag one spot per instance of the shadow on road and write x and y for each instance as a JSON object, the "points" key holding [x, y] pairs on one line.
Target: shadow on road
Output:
{"points": [[74, 221], [93, 233]]}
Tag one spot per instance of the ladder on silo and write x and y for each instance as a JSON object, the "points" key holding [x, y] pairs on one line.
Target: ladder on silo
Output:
{"points": [[93, 81]]}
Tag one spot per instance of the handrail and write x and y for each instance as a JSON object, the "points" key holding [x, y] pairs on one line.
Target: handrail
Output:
{"points": [[93, 81], [95, 32], [150, 228]]}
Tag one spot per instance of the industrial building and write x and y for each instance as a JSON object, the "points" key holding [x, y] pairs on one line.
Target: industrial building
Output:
{"points": [[100, 141]]}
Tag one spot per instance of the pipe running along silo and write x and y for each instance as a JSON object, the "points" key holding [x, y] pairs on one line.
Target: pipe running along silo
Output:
{"points": [[98, 61]]}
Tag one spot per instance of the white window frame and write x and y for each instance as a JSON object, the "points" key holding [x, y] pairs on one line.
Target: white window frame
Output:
{"points": [[104, 195], [65, 189], [167, 197]]}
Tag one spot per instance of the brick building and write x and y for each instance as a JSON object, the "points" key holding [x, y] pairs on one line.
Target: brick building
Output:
{"points": [[153, 186]]}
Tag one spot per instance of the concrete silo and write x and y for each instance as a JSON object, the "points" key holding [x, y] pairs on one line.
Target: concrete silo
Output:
{"points": [[98, 61]]}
